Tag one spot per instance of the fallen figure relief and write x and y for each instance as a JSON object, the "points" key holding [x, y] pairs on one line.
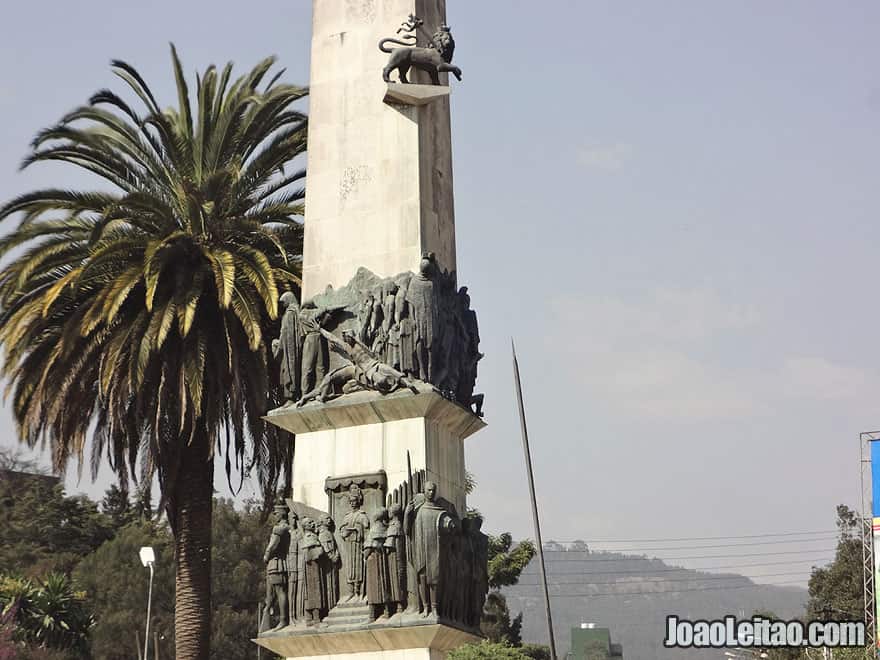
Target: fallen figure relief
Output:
{"points": [[411, 331], [363, 372]]}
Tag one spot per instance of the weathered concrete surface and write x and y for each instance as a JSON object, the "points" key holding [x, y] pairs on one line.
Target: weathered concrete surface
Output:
{"points": [[366, 432], [398, 93], [421, 642], [379, 190]]}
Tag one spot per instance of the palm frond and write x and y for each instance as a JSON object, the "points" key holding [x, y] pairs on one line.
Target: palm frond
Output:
{"points": [[133, 317]]}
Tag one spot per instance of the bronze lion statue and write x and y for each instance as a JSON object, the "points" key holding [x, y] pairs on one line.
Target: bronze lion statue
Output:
{"points": [[435, 59]]}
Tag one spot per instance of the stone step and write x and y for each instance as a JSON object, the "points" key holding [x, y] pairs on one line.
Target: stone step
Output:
{"points": [[348, 613]]}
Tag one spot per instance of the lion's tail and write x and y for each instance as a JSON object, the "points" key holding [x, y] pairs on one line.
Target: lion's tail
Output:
{"points": [[383, 48]]}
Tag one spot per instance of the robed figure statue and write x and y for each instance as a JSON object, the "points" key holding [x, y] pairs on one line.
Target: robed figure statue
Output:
{"points": [[288, 348], [376, 563], [354, 528], [426, 519], [311, 580], [395, 550], [330, 560], [293, 567]]}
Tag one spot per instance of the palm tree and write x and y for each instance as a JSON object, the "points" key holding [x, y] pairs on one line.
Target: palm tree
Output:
{"points": [[135, 316]]}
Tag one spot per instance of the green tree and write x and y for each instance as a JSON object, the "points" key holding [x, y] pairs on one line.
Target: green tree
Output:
{"points": [[138, 316], [44, 530], [123, 508], [142, 502], [775, 653], [47, 613], [506, 563], [116, 585], [536, 651], [496, 624], [115, 504], [487, 650], [836, 589]]}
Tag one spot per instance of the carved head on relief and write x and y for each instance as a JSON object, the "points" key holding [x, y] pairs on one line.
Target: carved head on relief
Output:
{"points": [[326, 522], [355, 497], [427, 264], [280, 511], [288, 301]]}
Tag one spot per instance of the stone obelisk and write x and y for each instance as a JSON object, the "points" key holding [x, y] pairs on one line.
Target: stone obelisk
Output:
{"points": [[378, 434], [379, 191]]}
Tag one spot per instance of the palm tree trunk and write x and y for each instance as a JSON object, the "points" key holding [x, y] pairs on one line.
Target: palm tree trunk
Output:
{"points": [[192, 500]]}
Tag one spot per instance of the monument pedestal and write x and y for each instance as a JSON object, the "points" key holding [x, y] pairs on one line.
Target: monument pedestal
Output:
{"points": [[366, 432], [430, 641], [377, 518], [376, 442]]}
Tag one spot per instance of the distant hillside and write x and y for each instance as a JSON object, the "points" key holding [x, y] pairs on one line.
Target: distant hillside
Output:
{"points": [[633, 595]]}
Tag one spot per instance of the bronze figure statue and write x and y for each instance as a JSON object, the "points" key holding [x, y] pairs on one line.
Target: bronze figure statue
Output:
{"points": [[426, 520], [330, 560], [406, 343], [365, 319], [315, 356], [378, 587], [364, 371], [479, 543], [471, 355], [404, 555], [355, 525], [275, 558], [288, 347], [293, 570], [389, 333], [395, 551], [423, 299], [314, 599]]}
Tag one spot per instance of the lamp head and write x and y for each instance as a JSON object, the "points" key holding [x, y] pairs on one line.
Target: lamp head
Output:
{"points": [[147, 555]]}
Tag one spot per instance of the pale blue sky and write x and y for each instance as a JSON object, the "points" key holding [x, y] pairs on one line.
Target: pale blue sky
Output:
{"points": [[672, 206]]}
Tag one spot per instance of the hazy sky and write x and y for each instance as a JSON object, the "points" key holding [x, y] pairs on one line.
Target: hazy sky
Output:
{"points": [[672, 206]]}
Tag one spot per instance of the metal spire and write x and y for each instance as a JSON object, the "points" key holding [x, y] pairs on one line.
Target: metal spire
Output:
{"points": [[538, 542]]}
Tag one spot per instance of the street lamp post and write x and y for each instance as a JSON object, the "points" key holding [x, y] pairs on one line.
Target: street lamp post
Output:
{"points": [[148, 559]]}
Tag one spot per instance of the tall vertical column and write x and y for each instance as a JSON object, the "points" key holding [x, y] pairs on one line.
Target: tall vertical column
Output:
{"points": [[379, 191], [382, 560]]}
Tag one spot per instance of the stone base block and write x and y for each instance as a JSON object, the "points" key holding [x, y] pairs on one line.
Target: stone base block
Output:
{"points": [[430, 641], [365, 432], [413, 94], [367, 407], [404, 654]]}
